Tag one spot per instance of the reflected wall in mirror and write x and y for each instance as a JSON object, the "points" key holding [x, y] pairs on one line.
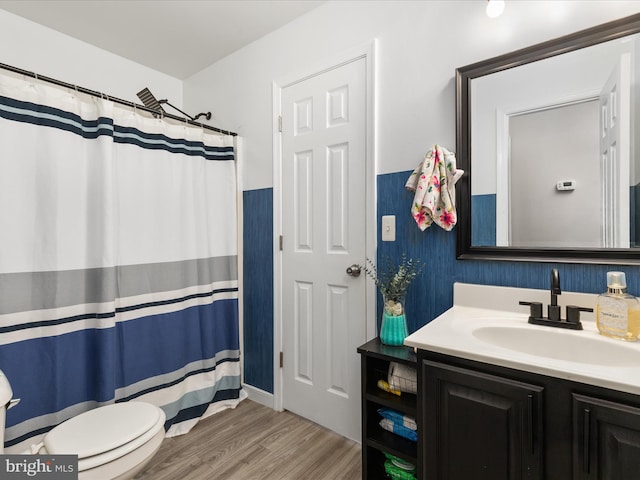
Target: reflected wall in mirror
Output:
{"points": [[550, 139]]}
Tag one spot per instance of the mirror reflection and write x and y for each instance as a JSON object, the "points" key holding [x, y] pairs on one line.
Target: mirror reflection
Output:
{"points": [[554, 151]]}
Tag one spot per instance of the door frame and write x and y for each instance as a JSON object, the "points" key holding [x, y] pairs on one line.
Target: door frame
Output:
{"points": [[366, 51]]}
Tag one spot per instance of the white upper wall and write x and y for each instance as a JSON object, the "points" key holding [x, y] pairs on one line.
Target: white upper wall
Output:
{"points": [[419, 46], [33, 47]]}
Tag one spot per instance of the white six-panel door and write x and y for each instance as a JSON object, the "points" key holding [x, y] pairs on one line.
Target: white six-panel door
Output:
{"points": [[323, 225]]}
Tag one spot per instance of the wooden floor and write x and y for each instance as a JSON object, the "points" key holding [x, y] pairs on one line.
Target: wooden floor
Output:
{"points": [[253, 442]]}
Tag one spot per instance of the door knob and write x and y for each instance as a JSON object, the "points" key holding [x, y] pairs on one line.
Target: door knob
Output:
{"points": [[354, 270]]}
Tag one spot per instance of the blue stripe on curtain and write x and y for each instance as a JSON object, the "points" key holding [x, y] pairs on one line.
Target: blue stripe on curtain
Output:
{"points": [[120, 284], [35, 114], [182, 333], [97, 361]]}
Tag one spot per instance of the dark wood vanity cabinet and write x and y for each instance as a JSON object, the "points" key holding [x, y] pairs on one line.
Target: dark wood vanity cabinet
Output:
{"points": [[485, 422]]}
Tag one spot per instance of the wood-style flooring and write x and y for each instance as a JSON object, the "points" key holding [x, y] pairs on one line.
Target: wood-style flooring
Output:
{"points": [[254, 442]]}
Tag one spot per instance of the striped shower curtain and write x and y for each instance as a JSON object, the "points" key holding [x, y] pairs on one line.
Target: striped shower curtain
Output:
{"points": [[118, 261]]}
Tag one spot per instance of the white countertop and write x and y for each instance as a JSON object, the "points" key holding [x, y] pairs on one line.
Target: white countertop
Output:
{"points": [[487, 324]]}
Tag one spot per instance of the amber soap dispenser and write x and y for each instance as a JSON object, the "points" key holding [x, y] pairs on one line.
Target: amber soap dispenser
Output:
{"points": [[618, 312]]}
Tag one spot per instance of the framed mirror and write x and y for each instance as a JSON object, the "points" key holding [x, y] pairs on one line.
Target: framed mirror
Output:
{"points": [[549, 139]]}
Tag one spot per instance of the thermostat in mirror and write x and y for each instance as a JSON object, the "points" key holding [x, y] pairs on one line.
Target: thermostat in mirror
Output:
{"points": [[565, 185]]}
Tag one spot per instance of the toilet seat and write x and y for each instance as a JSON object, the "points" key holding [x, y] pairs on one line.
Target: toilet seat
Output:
{"points": [[105, 434]]}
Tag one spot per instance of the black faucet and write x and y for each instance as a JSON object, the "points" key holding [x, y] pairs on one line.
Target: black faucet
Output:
{"points": [[554, 310]]}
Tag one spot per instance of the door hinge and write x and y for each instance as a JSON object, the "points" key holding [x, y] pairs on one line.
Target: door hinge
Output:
{"points": [[281, 359], [281, 242], [280, 123]]}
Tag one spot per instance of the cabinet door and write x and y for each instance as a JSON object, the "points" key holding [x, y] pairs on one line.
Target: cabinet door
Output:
{"points": [[606, 440], [478, 426]]}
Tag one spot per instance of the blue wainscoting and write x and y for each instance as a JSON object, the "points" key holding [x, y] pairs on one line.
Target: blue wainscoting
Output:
{"points": [[428, 297], [258, 288], [432, 294], [483, 222]]}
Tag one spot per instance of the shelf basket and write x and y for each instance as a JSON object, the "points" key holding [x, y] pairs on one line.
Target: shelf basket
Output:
{"points": [[397, 378]]}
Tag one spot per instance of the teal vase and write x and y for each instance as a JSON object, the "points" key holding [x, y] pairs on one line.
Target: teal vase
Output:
{"points": [[393, 330]]}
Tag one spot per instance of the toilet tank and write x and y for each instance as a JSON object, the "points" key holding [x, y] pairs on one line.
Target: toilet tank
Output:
{"points": [[5, 397], [5, 390]]}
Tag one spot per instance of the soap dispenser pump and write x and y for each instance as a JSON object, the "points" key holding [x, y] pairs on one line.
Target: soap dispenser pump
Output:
{"points": [[618, 312]]}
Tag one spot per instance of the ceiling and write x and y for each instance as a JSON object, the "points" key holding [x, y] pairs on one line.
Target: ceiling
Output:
{"points": [[176, 37]]}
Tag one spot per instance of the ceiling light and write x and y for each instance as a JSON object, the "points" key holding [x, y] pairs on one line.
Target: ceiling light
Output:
{"points": [[495, 8]]}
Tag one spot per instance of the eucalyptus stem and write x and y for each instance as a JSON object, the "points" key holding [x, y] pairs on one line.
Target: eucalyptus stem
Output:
{"points": [[393, 279]]}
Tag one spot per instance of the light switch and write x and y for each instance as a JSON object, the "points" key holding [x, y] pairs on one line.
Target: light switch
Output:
{"points": [[388, 228]]}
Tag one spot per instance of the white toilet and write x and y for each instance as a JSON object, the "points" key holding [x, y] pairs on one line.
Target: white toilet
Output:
{"points": [[112, 442]]}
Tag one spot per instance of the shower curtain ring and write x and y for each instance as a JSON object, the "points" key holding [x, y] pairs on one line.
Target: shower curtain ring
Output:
{"points": [[34, 84]]}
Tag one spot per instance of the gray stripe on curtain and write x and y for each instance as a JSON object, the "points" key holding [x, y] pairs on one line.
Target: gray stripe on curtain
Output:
{"points": [[27, 291]]}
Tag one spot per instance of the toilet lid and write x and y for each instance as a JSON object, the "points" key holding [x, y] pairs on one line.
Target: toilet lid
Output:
{"points": [[102, 429]]}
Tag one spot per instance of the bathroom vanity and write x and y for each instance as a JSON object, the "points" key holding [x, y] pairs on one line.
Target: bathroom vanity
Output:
{"points": [[499, 398]]}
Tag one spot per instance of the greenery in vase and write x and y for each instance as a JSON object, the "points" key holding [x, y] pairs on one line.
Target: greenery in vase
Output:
{"points": [[393, 280]]}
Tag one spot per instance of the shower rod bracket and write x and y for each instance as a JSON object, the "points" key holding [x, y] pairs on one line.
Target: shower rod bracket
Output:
{"points": [[150, 101], [207, 115]]}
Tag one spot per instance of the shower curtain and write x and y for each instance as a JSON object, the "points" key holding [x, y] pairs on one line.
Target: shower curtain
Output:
{"points": [[118, 261]]}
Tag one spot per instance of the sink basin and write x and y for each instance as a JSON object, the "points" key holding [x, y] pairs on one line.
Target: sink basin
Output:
{"points": [[560, 345], [473, 329]]}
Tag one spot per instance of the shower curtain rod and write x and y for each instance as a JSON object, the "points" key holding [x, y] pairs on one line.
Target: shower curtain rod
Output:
{"points": [[60, 83]]}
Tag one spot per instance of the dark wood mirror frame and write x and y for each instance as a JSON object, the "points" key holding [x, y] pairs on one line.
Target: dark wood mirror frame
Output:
{"points": [[464, 249]]}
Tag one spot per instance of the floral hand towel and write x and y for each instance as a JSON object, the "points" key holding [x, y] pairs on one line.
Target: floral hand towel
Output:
{"points": [[433, 182]]}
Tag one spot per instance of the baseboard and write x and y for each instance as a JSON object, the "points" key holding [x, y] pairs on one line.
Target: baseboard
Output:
{"points": [[258, 395]]}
